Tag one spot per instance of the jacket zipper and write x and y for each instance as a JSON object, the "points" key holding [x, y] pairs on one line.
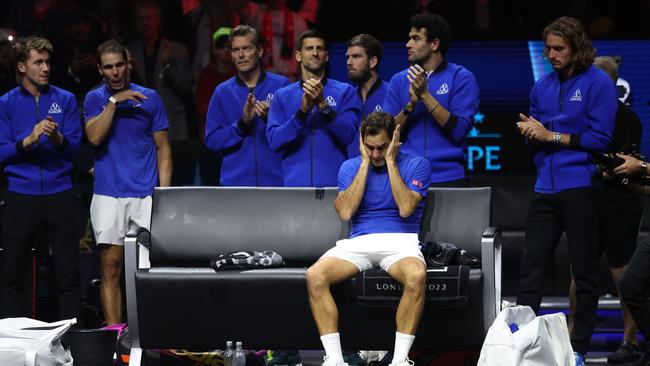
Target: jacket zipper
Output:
{"points": [[40, 151], [311, 157], [257, 180]]}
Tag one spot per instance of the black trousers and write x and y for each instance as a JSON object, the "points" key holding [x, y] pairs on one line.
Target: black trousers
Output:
{"points": [[635, 287], [22, 217], [574, 211]]}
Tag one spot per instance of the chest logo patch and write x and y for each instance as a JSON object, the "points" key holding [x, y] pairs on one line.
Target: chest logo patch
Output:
{"points": [[444, 89], [330, 100], [55, 109], [269, 98], [577, 96], [378, 108]]}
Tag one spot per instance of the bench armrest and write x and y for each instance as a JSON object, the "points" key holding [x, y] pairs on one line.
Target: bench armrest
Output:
{"points": [[136, 256], [491, 265]]}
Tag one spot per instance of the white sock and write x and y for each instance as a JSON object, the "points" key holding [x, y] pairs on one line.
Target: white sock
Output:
{"points": [[332, 344], [403, 343]]}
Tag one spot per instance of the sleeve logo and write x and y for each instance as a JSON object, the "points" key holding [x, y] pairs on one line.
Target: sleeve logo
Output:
{"points": [[417, 183]]}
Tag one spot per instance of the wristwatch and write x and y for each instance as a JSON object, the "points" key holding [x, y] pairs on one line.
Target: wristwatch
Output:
{"points": [[643, 169], [112, 99]]}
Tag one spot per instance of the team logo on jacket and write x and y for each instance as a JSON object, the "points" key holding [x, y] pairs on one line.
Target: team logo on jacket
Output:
{"points": [[378, 108], [269, 98], [330, 100], [55, 109], [417, 183], [577, 96], [444, 89]]}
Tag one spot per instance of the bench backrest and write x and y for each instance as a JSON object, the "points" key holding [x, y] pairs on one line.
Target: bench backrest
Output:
{"points": [[190, 225], [458, 216]]}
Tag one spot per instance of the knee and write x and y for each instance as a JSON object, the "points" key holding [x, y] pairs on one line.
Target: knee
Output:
{"points": [[626, 288], [315, 279], [415, 279], [111, 270]]}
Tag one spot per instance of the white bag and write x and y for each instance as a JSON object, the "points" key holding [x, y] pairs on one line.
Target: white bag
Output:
{"points": [[29, 342], [540, 341]]}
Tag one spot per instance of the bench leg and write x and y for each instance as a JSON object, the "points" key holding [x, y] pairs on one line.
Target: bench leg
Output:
{"points": [[135, 358]]}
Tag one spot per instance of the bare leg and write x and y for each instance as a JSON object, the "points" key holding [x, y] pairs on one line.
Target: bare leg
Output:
{"points": [[411, 273], [629, 325], [320, 277], [572, 304], [111, 260]]}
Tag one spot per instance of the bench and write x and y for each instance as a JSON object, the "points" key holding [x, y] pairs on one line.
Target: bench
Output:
{"points": [[175, 300]]}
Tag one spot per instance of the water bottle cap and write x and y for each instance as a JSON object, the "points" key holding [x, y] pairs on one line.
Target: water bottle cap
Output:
{"points": [[228, 343], [239, 343]]}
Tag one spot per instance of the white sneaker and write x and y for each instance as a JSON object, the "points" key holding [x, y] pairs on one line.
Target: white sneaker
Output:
{"points": [[404, 362], [332, 362]]}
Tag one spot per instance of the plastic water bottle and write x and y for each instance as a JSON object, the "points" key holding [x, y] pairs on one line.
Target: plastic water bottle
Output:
{"points": [[239, 359], [228, 354]]}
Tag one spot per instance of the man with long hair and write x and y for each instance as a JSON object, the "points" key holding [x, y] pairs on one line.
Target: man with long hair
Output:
{"points": [[572, 114]]}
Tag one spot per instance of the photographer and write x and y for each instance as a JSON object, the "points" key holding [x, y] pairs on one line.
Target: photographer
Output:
{"points": [[634, 287], [619, 210]]}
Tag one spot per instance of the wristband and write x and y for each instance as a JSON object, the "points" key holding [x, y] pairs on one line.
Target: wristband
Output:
{"points": [[643, 169]]}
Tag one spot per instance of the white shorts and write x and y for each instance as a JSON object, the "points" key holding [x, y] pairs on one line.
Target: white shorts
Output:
{"points": [[112, 217], [372, 250]]}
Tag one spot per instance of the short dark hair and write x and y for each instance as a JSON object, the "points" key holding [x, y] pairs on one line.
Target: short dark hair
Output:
{"points": [[572, 31], [436, 27], [311, 33], [375, 122], [245, 30], [24, 45], [111, 46], [370, 44]]}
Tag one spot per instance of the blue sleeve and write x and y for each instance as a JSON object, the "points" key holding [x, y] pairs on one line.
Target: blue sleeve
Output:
{"points": [[92, 106], [284, 126], [348, 117], [601, 114], [347, 172], [160, 121], [420, 177], [8, 150], [220, 132], [71, 130], [392, 101], [463, 104]]}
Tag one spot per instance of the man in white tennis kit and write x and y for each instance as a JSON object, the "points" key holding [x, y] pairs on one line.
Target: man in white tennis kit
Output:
{"points": [[382, 191], [128, 125]]}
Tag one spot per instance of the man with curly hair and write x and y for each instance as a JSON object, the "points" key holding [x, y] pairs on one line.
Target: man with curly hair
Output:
{"points": [[572, 114]]}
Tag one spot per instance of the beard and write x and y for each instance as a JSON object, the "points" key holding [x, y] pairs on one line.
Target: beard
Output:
{"points": [[360, 77]]}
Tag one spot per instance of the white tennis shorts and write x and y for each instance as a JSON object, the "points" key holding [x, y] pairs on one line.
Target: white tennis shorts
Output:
{"points": [[112, 217]]}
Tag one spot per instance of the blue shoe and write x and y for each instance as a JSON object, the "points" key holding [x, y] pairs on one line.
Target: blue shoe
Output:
{"points": [[580, 359]]}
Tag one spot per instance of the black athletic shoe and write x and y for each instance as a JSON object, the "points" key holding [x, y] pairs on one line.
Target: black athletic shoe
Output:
{"points": [[626, 352]]}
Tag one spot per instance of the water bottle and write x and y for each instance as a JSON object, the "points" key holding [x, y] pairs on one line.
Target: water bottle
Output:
{"points": [[228, 354], [239, 358]]}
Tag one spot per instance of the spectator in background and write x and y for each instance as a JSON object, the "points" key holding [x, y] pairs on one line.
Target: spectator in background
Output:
{"points": [[39, 140], [221, 68], [572, 114], [236, 121], [312, 121], [8, 78], [128, 126], [207, 19], [76, 68], [163, 66], [363, 58], [280, 28], [434, 100]]}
